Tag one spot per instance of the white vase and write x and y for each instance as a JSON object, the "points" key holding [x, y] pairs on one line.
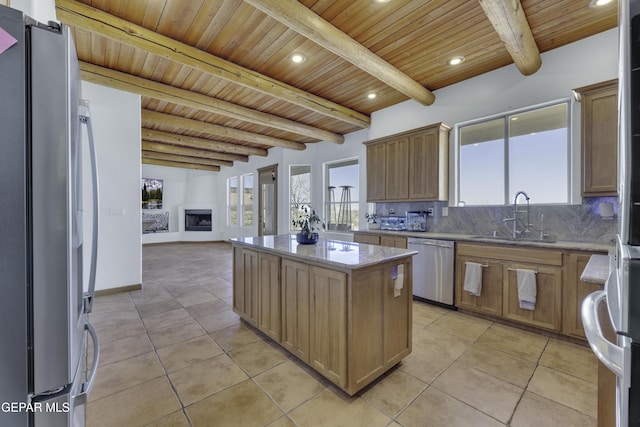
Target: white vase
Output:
{"points": [[373, 226]]}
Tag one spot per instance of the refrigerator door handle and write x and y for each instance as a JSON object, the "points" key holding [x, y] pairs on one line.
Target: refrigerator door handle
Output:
{"points": [[85, 118], [609, 354], [86, 387]]}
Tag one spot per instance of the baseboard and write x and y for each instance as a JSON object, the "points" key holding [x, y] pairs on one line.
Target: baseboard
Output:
{"points": [[111, 291], [185, 241]]}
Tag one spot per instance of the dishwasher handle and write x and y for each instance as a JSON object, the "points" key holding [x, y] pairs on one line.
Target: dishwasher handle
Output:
{"points": [[448, 245]]}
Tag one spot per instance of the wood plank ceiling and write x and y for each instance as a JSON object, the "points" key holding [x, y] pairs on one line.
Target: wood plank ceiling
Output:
{"points": [[218, 85]]}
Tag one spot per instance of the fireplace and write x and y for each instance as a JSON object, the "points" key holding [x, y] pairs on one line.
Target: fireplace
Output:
{"points": [[197, 220]]}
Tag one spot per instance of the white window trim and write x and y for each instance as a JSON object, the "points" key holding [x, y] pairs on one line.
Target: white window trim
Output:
{"points": [[241, 204], [572, 151]]}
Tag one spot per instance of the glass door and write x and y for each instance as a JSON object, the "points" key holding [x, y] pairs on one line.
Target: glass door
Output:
{"points": [[268, 201]]}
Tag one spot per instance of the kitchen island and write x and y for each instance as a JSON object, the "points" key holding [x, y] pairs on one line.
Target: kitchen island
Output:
{"points": [[343, 308]]}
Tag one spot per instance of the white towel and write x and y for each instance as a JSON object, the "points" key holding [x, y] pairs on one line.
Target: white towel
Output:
{"points": [[527, 289], [473, 278]]}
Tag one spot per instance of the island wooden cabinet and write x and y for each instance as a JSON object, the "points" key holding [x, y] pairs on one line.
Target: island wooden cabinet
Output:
{"points": [[245, 284], [295, 308], [575, 292], [269, 295], [499, 294], [412, 165], [328, 324], [351, 323], [599, 126]]}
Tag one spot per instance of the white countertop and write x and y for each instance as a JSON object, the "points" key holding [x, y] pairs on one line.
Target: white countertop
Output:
{"points": [[331, 252]]}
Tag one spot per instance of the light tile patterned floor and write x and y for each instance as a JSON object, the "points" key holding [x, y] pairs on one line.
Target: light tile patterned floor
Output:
{"points": [[175, 354]]}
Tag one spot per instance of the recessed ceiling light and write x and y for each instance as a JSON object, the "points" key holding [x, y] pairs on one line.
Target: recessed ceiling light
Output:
{"points": [[380, 1], [514, 118], [371, 95], [596, 3], [456, 60], [298, 58]]}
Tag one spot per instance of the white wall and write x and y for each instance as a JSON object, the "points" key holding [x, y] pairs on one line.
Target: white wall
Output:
{"points": [[40, 10], [588, 61], [115, 117]]}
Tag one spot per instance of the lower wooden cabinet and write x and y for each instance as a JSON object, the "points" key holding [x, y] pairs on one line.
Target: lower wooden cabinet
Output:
{"points": [[393, 241], [346, 323], [575, 292], [559, 290], [328, 323], [295, 308], [548, 308], [269, 295], [490, 299]]}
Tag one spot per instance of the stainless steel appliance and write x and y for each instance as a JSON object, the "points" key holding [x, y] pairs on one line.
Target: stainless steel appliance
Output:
{"points": [[43, 309], [433, 270], [622, 288], [417, 221]]}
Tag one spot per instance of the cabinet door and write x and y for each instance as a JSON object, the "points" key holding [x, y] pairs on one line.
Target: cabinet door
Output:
{"points": [[370, 239], [600, 139], [269, 320], [548, 308], [575, 292], [424, 166], [394, 241], [490, 299], [245, 284], [397, 170], [295, 308], [328, 324], [376, 176]]}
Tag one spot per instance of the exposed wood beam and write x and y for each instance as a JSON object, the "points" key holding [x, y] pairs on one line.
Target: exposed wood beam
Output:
{"points": [[193, 152], [510, 22], [130, 83], [90, 19], [201, 143], [213, 129], [180, 165], [184, 159], [302, 20]]}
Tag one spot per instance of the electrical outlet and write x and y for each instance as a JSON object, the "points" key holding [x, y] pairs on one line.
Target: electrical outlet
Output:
{"points": [[392, 211], [430, 211]]}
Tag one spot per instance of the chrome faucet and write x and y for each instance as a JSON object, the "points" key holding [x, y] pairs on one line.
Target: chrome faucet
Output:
{"points": [[516, 232]]}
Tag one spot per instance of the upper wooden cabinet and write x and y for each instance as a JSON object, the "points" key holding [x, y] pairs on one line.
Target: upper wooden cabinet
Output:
{"points": [[412, 165], [599, 138]]}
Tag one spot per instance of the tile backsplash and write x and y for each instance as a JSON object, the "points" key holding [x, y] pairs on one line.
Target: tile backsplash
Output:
{"points": [[579, 223]]}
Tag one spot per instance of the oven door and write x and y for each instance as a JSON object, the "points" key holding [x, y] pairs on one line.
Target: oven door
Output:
{"points": [[616, 357]]}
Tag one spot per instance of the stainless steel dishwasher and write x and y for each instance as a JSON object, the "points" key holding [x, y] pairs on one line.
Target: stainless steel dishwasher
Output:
{"points": [[433, 269]]}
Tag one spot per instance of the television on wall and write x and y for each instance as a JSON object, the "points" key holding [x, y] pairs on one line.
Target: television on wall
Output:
{"points": [[151, 193]]}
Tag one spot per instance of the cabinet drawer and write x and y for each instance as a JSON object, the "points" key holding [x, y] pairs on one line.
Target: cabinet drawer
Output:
{"points": [[370, 239], [511, 253]]}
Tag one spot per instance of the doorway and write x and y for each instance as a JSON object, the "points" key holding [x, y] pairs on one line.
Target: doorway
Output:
{"points": [[268, 201]]}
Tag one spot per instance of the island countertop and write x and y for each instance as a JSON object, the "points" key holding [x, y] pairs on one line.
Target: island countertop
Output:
{"points": [[331, 252]]}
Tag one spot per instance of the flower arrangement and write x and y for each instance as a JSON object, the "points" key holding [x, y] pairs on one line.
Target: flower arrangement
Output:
{"points": [[307, 220]]}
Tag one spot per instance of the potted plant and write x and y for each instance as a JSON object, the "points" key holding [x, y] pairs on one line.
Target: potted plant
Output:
{"points": [[372, 220], [309, 223]]}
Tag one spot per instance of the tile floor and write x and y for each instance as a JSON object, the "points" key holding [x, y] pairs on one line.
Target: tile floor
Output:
{"points": [[175, 354]]}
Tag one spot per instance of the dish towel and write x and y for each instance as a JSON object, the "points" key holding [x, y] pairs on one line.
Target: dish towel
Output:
{"points": [[473, 278], [527, 289]]}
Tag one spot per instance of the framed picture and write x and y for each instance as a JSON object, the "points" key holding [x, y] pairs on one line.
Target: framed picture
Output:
{"points": [[151, 193]]}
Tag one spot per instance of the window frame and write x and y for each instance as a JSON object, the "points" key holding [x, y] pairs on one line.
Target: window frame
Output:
{"points": [[505, 117], [290, 203], [242, 205], [229, 204], [326, 202]]}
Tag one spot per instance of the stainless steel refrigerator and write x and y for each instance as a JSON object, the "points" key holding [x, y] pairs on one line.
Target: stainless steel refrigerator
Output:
{"points": [[622, 288], [44, 331]]}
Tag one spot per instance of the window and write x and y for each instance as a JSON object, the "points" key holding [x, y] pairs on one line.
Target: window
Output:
{"points": [[247, 200], [342, 184], [232, 201], [528, 151], [299, 189]]}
